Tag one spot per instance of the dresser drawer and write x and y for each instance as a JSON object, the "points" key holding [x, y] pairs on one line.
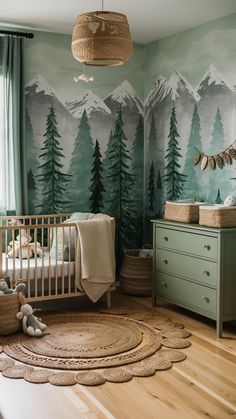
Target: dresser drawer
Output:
{"points": [[189, 267], [195, 244], [188, 293]]}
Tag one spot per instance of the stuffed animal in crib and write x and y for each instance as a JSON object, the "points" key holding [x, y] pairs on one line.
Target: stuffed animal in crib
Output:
{"points": [[23, 248], [31, 325]]}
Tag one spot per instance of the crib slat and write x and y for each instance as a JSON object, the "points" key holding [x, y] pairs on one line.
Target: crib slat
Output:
{"points": [[6, 251], [36, 264], [62, 268], [49, 263], [69, 271], [1, 251], [42, 245], [14, 263], [55, 267]]}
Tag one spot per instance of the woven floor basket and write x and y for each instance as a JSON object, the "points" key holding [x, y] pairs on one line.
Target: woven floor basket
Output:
{"points": [[211, 216], [9, 306], [184, 213], [136, 274]]}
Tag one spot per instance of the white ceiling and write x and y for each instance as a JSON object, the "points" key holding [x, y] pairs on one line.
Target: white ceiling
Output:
{"points": [[149, 19]]}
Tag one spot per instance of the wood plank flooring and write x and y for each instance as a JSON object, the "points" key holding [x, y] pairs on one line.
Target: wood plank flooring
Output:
{"points": [[204, 385]]}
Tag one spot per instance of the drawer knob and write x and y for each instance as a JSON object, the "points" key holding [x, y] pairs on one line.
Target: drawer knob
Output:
{"points": [[165, 261], [164, 284], [165, 238], [207, 273], [207, 246], [206, 299]]}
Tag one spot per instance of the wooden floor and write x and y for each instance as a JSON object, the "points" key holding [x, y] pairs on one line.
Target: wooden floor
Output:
{"points": [[202, 386]]}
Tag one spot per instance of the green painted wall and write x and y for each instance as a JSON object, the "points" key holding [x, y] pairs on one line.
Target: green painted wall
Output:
{"points": [[78, 132], [190, 101]]}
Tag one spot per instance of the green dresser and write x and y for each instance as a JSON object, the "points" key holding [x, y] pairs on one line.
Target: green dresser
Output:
{"points": [[195, 267]]}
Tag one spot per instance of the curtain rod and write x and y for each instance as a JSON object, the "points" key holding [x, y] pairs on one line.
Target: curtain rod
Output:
{"points": [[23, 34]]}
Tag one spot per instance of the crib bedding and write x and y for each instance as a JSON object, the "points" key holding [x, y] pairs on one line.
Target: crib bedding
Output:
{"points": [[46, 267]]}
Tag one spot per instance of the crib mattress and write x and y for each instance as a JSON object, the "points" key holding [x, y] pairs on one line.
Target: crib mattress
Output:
{"points": [[46, 267]]}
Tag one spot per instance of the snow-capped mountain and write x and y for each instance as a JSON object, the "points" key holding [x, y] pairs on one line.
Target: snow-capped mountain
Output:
{"points": [[213, 78], [88, 101], [176, 86], [124, 95], [157, 92], [39, 85]]}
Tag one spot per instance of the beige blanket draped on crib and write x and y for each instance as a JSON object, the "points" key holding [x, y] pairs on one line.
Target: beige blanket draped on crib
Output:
{"points": [[95, 258]]}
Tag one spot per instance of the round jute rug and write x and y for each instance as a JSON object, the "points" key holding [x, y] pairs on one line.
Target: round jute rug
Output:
{"points": [[94, 347], [85, 341]]}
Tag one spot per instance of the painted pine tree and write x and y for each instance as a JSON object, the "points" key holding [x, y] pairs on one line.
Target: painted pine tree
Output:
{"points": [[218, 198], [192, 188], [80, 167], [32, 150], [173, 178], [217, 179], [159, 195], [32, 192], [137, 168], [54, 181], [108, 185], [151, 188], [122, 206], [97, 188]]}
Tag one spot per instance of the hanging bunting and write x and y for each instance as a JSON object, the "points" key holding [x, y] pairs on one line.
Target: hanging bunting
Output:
{"points": [[219, 160]]}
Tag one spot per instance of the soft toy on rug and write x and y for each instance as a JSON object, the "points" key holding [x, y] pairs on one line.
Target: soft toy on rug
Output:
{"points": [[31, 325]]}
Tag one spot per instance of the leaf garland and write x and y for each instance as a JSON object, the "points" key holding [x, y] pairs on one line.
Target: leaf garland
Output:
{"points": [[219, 160]]}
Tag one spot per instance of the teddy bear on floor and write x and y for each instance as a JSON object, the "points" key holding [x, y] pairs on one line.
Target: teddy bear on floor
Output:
{"points": [[23, 248], [31, 325]]}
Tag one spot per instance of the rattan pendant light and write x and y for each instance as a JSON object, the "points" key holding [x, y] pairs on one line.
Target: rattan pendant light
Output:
{"points": [[101, 38]]}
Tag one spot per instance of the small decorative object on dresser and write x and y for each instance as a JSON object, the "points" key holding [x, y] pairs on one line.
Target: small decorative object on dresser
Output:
{"points": [[185, 211], [194, 267]]}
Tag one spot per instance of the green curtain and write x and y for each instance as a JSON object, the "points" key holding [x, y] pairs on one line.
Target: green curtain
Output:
{"points": [[13, 178]]}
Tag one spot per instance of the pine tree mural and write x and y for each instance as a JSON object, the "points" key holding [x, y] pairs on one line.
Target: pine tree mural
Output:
{"points": [[159, 195], [137, 167], [152, 142], [192, 187], [122, 207], [218, 198], [151, 188], [97, 187], [217, 179], [32, 192], [54, 181], [80, 167], [108, 185], [32, 150], [173, 178]]}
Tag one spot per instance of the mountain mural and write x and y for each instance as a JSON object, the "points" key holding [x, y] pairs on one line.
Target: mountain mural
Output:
{"points": [[125, 97], [203, 119]]}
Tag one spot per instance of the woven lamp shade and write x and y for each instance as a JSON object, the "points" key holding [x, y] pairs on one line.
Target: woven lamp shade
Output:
{"points": [[101, 39]]}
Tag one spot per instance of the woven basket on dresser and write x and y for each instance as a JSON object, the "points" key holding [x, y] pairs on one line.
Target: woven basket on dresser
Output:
{"points": [[216, 216], [9, 307], [136, 274], [182, 212]]}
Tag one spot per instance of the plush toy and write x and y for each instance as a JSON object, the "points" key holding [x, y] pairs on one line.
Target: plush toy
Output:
{"points": [[31, 325], [22, 246], [230, 201], [4, 288]]}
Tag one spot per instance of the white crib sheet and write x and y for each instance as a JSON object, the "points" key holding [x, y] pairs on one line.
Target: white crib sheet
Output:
{"points": [[27, 268]]}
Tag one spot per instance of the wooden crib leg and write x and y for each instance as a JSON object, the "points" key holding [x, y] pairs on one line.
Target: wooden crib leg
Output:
{"points": [[108, 299]]}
